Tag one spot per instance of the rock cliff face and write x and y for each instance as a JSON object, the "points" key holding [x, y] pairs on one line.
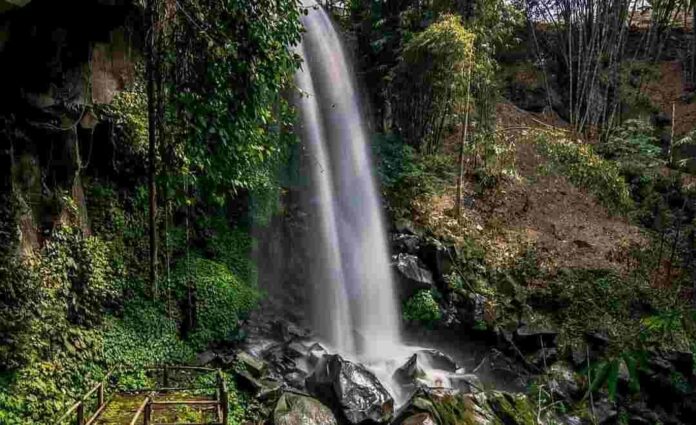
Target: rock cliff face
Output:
{"points": [[60, 59]]}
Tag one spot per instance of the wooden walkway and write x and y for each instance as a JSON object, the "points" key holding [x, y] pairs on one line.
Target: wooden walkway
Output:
{"points": [[171, 402]]}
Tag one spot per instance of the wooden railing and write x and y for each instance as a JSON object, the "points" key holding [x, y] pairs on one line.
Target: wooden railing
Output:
{"points": [[77, 414], [220, 403], [77, 411]]}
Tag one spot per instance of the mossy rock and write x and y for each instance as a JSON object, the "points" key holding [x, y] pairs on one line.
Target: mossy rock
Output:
{"points": [[451, 408], [295, 409]]}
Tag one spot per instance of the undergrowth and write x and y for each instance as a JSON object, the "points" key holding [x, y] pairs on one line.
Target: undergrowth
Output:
{"points": [[586, 169], [78, 306]]}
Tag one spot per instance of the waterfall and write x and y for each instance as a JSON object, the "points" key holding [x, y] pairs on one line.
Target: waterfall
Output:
{"points": [[354, 304]]}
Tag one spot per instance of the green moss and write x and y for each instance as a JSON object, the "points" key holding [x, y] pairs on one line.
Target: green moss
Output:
{"points": [[511, 408]]}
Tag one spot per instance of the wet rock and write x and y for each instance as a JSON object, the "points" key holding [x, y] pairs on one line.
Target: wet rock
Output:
{"points": [[351, 389], [562, 383], [413, 275], [295, 409], [206, 357], [597, 340], [605, 412], [570, 420], [473, 309], [416, 368], [287, 331], [438, 257], [543, 357], [315, 353], [466, 383], [270, 390], [256, 367], [404, 226], [530, 338], [405, 244], [672, 361], [295, 379]]}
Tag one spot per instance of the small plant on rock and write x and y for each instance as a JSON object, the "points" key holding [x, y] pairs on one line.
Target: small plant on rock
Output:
{"points": [[422, 308]]}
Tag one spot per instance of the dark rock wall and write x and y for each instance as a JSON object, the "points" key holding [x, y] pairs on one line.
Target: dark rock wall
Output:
{"points": [[59, 58]]}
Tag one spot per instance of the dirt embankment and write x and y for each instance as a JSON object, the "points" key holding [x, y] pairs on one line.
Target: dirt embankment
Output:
{"points": [[565, 226]]}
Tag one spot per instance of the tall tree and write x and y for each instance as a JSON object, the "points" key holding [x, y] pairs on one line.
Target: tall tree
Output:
{"points": [[151, 76]]}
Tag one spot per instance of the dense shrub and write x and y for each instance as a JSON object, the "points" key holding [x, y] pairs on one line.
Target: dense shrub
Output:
{"points": [[422, 308], [633, 145], [222, 299], [144, 336], [406, 175], [584, 168]]}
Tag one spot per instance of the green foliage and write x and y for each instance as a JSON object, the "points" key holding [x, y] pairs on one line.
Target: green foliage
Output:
{"points": [[39, 392], [606, 373], [432, 81], [584, 168], [422, 308], [407, 176], [634, 145], [227, 116], [232, 247], [222, 299], [77, 268], [634, 76], [144, 336], [128, 110]]}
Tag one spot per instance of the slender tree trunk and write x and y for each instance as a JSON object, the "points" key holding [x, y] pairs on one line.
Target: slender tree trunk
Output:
{"points": [[152, 140], [465, 132]]}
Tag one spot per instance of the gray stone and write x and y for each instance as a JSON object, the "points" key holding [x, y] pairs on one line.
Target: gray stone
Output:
{"points": [[529, 338], [351, 389], [466, 383], [405, 244], [295, 409], [413, 274], [315, 353], [256, 367], [562, 382]]}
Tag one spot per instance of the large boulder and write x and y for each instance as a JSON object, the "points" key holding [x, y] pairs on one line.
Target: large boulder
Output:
{"points": [[413, 275], [351, 389], [295, 409]]}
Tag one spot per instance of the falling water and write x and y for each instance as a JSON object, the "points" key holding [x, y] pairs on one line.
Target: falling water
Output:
{"points": [[353, 298]]}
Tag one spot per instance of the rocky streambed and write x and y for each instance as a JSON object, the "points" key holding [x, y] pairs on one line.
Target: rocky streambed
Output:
{"points": [[494, 371], [298, 381]]}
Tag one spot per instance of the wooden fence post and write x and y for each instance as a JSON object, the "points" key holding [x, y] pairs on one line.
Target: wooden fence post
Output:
{"points": [[165, 377], [147, 416], [80, 414], [225, 406], [100, 396]]}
